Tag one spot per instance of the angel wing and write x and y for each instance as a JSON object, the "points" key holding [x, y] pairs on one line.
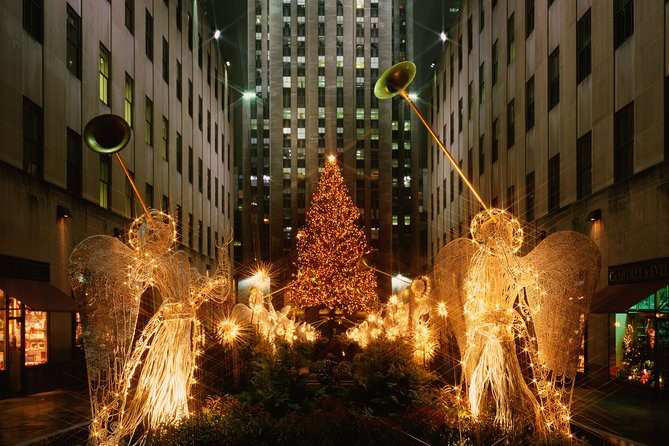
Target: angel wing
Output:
{"points": [[107, 285], [450, 271], [567, 266]]}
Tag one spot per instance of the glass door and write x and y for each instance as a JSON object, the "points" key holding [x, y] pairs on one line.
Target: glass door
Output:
{"points": [[14, 344]]}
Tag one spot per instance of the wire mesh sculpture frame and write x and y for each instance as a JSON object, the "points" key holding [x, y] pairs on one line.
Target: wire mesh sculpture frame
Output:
{"points": [[147, 378], [498, 302]]}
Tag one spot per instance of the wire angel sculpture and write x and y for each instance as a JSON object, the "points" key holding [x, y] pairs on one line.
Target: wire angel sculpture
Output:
{"points": [[146, 378], [518, 321]]}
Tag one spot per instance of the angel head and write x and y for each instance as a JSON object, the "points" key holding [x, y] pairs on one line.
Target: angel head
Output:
{"points": [[497, 231], [155, 233]]}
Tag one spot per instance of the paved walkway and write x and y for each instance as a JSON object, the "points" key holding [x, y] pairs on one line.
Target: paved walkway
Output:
{"points": [[35, 418], [638, 414]]}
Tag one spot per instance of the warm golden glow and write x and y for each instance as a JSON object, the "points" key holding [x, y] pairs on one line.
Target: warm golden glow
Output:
{"points": [[496, 301], [329, 249], [147, 380]]}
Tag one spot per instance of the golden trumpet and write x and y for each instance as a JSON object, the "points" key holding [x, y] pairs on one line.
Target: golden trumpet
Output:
{"points": [[109, 134], [395, 81]]}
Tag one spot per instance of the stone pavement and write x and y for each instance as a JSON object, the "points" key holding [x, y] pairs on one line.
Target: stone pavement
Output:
{"points": [[57, 417], [637, 414]]}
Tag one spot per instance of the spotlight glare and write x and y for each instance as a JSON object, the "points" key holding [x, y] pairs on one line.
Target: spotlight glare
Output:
{"points": [[443, 36], [248, 95], [217, 34]]}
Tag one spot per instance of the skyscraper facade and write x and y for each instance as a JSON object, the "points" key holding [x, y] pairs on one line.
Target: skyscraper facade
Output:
{"points": [[312, 65]]}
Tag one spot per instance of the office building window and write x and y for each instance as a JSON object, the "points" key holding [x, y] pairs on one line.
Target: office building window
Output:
{"points": [[130, 15], [529, 17], [190, 164], [554, 183], [179, 153], [148, 195], [529, 196], [179, 81], [470, 100], [128, 99], [73, 42], [510, 40], [554, 78], [470, 37], [200, 175], [149, 35], [189, 22], [33, 138], [216, 192], [190, 98], [452, 186], [105, 181], [459, 53], [166, 61], [199, 236], [208, 184], [481, 155], [33, 18], [148, 118], [460, 114], [199, 113], [481, 16], [583, 48], [178, 14], [129, 197], [623, 143], [529, 104], [584, 166], [510, 124], [495, 141], [190, 230], [481, 83], [104, 70], [495, 61], [74, 163], [623, 20], [511, 199], [166, 139]]}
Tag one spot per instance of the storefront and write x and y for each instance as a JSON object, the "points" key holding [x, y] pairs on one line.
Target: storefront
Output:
{"points": [[635, 307], [39, 348]]}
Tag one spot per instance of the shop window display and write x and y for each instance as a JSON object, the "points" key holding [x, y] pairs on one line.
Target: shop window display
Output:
{"points": [[36, 337], [3, 329], [642, 341]]}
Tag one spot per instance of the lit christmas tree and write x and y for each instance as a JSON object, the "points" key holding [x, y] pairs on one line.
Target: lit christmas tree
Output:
{"points": [[329, 250]]}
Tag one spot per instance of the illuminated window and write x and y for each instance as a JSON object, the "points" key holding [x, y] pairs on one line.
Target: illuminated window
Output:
{"points": [[103, 70], [105, 181], [36, 337], [128, 99], [395, 220]]}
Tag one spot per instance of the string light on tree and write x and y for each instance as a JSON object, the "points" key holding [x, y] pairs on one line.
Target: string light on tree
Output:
{"points": [[329, 249]]}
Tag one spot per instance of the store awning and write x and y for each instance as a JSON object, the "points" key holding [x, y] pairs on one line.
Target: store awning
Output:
{"points": [[40, 296], [619, 298]]}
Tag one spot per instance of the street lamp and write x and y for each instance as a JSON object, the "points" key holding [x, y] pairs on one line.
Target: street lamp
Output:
{"points": [[248, 95], [443, 36], [413, 96], [217, 34]]}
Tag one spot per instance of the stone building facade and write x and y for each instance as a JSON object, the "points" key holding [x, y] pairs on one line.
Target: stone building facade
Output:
{"points": [[154, 63]]}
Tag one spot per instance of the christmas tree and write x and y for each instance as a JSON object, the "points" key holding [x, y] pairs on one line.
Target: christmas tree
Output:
{"points": [[329, 249]]}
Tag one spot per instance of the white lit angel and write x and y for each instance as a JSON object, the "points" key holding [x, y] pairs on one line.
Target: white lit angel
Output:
{"points": [[497, 302], [146, 378]]}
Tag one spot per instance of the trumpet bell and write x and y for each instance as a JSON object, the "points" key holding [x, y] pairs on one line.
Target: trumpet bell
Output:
{"points": [[107, 133], [394, 80]]}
